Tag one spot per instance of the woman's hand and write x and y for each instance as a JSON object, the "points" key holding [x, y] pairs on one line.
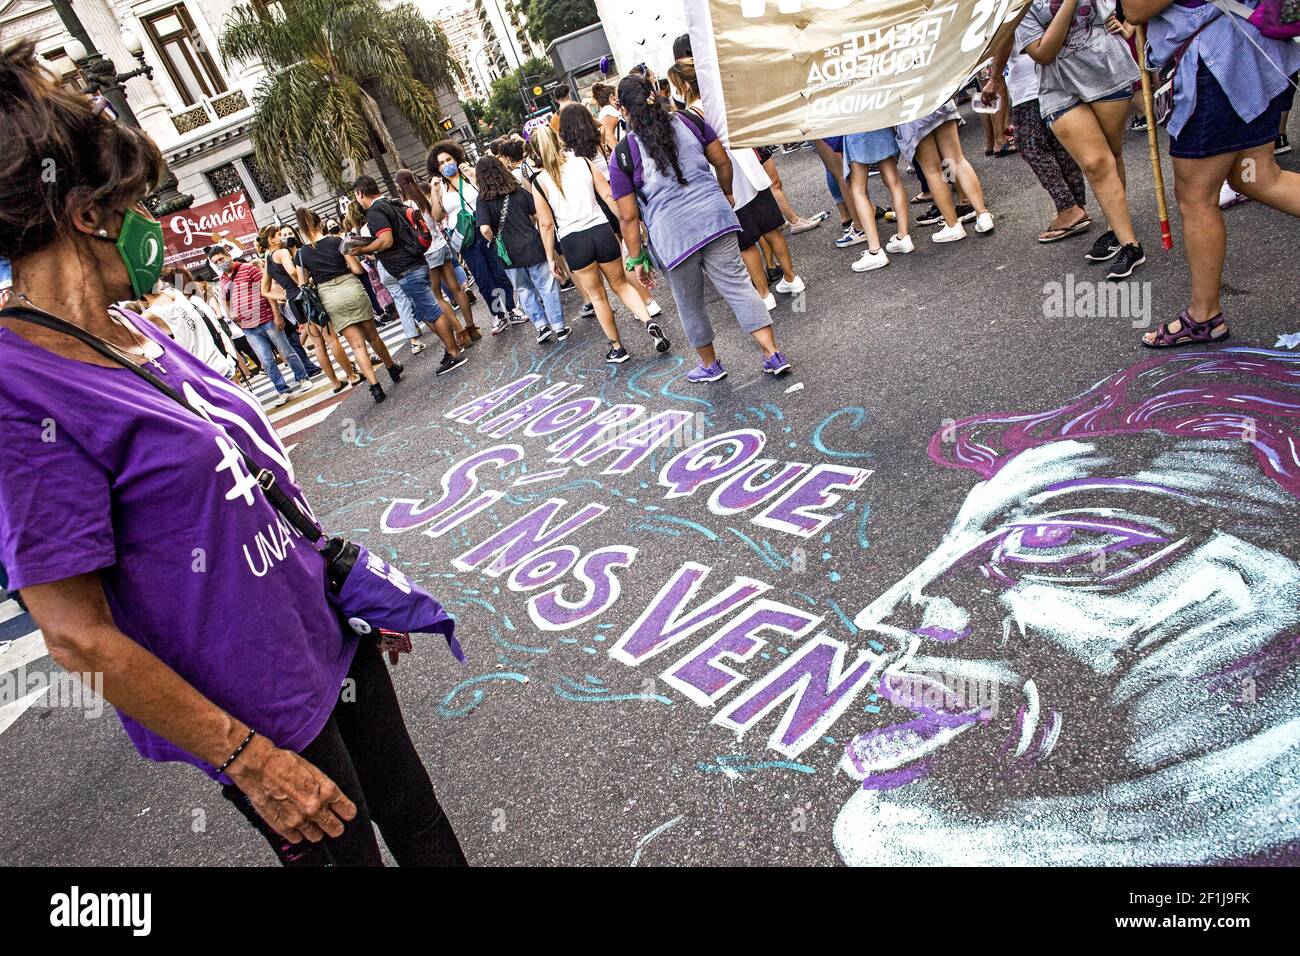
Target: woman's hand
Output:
{"points": [[558, 270], [731, 200], [645, 275], [293, 797], [1117, 26]]}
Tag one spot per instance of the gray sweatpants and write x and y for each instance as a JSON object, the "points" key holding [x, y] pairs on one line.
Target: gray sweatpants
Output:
{"points": [[720, 261]]}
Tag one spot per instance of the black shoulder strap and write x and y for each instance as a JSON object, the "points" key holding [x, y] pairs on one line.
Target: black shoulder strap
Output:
{"points": [[693, 121], [265, 477]]}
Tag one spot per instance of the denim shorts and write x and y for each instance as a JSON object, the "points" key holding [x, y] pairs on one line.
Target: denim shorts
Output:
{"points": [[869, 148], [1116, 97], [1214, 128]]}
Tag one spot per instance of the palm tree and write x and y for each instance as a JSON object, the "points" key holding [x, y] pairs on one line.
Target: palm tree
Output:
{"points": [[330, 61]]}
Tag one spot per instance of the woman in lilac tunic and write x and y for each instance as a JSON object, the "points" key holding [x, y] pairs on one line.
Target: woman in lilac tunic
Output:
{"points": [[132, 526]]}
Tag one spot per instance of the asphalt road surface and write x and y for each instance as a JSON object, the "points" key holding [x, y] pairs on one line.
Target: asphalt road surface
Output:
{"points": [[1031, 637]]}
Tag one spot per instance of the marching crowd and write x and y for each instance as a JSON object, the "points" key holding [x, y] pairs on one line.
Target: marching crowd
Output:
{"points": [[100, 527], [637, 182]]}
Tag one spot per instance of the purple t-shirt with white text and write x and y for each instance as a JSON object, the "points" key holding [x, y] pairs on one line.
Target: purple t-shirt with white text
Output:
{"points": [[103, 473]]}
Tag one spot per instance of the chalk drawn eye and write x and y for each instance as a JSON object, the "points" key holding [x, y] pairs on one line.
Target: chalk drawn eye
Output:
{"points": [[1083, 551]]}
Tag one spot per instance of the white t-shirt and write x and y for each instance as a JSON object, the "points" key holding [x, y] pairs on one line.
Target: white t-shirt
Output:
{"points": [[576, 208], [451, 199], [1022, 79], [190, 333]]}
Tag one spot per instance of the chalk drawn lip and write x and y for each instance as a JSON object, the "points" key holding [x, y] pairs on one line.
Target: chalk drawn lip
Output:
{"points": [[943, 634]]}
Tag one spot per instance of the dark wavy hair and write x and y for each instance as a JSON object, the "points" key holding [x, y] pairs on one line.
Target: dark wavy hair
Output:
{"points": [[48, 129], [652, 124], [448, 146], [579, 131], [494, 180]]}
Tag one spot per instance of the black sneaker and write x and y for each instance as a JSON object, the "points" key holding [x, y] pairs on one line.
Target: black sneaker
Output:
{"points": [[1130, 257], [965, 212], [567, 285], [775, 274], [1282, 144], [396, 372], [377, 393], [1106, 247], [930, 216], [588, 311], [657, 333], [563, 334], [544, 334], [617, 356], [448, 363]]}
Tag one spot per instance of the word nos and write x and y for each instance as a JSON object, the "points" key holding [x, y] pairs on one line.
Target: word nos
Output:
{"points": [[74, 908], [816, 682]]}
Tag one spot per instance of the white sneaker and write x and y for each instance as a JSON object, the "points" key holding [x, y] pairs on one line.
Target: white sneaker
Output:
{"points": [[790, 288], [902, 244], [950, 234], [871, 260], [280, 399], [654, 308], [770, 302], [984, 222]]}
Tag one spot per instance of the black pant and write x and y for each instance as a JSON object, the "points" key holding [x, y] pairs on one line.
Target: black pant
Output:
{"points": [[367, 752], [245, 348]]}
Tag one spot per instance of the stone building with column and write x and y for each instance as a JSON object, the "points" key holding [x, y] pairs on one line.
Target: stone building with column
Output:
{"points": [[197, 108]]}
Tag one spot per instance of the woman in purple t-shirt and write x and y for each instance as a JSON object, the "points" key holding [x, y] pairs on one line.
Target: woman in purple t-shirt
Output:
{"points": [[131, 525]]}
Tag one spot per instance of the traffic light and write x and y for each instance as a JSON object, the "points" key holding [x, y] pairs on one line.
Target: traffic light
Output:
{"points": [[448, 124]]}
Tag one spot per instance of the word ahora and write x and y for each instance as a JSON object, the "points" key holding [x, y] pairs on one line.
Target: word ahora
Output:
{"points": [[75, 909]]}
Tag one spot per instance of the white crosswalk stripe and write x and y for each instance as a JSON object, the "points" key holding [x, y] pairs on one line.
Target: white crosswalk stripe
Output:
{"points": [[319, 392], [21, 644]]}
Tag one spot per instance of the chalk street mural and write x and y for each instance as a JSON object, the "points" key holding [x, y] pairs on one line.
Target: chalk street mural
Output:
{"points": [[1137, 542]]}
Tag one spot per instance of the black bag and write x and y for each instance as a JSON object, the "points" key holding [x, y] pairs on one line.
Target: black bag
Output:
{"points": [[313, 310]]}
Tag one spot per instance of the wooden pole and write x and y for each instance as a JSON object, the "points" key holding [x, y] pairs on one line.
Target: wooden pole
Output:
{"points": [[1149, 106]]}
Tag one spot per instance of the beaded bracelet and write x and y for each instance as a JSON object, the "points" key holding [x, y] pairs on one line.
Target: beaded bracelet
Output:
{"points": [[238, 750]]}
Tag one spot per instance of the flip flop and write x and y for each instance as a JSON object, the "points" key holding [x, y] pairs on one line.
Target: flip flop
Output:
{"points": [[917, 200], [1007, 149], [1192, 332], [1056, 235]]}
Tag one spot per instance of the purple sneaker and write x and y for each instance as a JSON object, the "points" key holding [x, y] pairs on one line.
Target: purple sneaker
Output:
{"points": [[776, 365], [707, 373]]}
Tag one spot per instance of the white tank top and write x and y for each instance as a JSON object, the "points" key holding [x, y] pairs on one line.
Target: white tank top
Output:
{"points": [[577, 209]]}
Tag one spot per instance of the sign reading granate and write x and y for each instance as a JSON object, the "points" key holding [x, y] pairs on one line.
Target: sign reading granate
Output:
{"points": [[187, 232]]}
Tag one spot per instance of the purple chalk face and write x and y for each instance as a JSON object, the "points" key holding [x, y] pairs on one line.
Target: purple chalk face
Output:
{"points": [[1125, 572]]}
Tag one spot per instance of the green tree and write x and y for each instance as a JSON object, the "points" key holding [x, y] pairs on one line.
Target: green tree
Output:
{"points": [[331, 62], [506, 108], [548, 19]]}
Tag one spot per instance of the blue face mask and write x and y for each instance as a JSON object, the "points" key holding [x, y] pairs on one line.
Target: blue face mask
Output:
{"points": [[449, 170]]}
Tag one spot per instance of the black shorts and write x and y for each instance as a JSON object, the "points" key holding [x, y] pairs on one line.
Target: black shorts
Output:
{"points": [[758, 217], [597, 244]]}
